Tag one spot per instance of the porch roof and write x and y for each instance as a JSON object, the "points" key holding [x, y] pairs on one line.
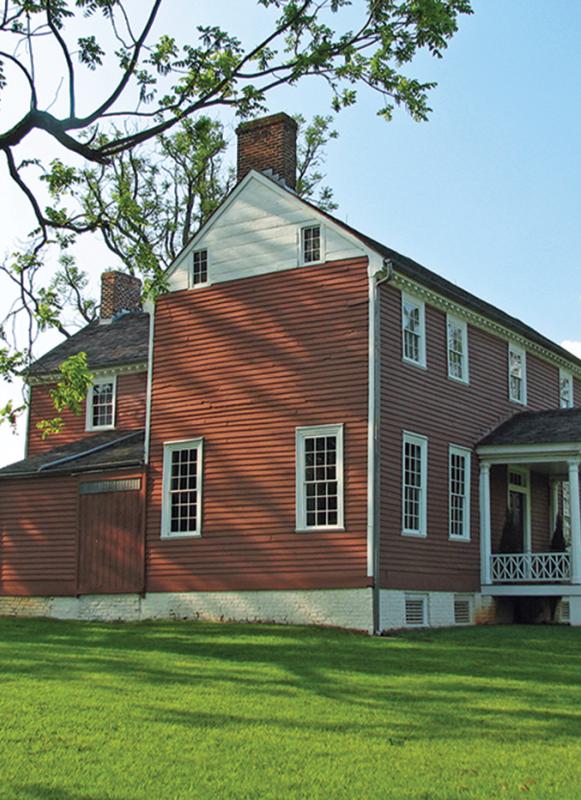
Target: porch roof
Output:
{"points": [[554, 426], [106, 450]]}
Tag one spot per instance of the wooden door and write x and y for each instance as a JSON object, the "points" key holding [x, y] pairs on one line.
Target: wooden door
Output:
{"points": [[111, 537]]}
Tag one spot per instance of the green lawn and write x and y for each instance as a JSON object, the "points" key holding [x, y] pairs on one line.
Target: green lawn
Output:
{"points": [[91, 711]]}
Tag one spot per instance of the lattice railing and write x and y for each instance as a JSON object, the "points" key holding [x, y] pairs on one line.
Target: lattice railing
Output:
{"points": [[530, 567]]}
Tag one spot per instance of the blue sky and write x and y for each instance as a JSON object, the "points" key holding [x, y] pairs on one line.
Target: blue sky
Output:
{"points": [[488, 192]]}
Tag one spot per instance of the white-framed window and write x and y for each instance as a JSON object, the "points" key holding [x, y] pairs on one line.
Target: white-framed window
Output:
{"points": [[101, 400], [413, 323], [181, 513], [457, 336], [416, 610], [200, 268], [319, 478], [311, 244], [566, 398], [459, 465], [517, 374], [414, 484]]}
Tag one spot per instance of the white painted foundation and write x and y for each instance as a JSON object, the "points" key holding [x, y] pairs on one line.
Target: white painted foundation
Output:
{"points": [[439, 608], [341, 608]]}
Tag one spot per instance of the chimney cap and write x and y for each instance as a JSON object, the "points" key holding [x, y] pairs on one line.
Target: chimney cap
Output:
{"points": [[265, 122]]}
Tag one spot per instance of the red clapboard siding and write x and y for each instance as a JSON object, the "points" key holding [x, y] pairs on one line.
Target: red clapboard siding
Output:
{"points": [[242, 364], [428, 403], [38, 536], [130, 413]]}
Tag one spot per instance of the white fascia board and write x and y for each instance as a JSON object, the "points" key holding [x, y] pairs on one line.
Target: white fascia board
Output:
{"points": [[523, 453], [531, 590], [253, 175]]}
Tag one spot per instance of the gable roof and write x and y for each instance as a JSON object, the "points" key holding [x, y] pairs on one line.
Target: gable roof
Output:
{"points": [[103, 450], [124, 341], [555, 426]]}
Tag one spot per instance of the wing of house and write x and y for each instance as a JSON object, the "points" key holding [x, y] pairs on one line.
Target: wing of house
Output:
{"points": [[326, 437]]}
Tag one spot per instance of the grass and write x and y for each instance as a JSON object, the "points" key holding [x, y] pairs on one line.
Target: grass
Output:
{"points": [[160, 711]]}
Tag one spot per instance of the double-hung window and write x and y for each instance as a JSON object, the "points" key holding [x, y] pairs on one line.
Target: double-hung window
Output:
{"points": [[566, 398], [311, 244], [319, 478], [459, 493], [182, 489], [413, 331], [200, 268], [415, 484], [517, 374], [457, 332], [101, 404]]}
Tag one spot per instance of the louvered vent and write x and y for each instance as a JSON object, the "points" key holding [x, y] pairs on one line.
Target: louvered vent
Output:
{"points": [[564, 611], [415, 611], [462, 610]]}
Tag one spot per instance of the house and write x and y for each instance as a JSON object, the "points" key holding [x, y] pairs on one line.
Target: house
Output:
{"points": [[308, 427]]}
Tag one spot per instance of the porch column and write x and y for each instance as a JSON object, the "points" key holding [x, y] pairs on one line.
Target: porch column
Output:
{"points": [[575, 522], [485, 537]]}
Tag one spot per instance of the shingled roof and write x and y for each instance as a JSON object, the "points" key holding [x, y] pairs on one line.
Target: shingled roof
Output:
{"points": [[123, 341], [100, 451], [555, 426]]}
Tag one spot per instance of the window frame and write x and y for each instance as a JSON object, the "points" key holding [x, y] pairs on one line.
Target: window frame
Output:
{"points": [[301, 246], [466, 453], [422, 442], [566, 375], [301, 434], [168, 449], [207, 281], [518, 350], [463, 326], [101, 379], [405, 298]]}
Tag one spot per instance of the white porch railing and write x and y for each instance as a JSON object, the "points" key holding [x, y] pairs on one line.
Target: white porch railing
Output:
{"points": [[530, 567]]}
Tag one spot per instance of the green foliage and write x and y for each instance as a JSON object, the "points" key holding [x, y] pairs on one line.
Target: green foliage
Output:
{"points": [[510, 540], [69, 392]]}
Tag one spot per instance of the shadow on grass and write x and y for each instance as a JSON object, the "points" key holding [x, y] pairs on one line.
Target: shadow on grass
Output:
{"points": [[453, 683]]}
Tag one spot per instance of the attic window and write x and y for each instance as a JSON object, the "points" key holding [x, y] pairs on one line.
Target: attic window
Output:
{"points": [[310, 244], [200, 268]]}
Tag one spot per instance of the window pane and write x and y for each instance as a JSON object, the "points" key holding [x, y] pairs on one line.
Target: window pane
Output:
{"points": [[183, 491], [413, 487], [458, 500], [412, 331], [320, 482], [102, 406], [311, 243], [200, 267]]}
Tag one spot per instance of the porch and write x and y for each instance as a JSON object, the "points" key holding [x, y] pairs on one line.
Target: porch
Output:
{"points": [[538, 455]]}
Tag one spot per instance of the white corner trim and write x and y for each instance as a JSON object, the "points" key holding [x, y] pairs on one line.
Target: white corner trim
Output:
{"points": [[150, 308]]}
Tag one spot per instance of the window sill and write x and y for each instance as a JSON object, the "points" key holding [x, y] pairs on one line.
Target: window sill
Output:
{"points": [[325, 529], [461, 381], [521, 403], [458, 538], [415, 534], [201, 285], [100, 428], [416, 364], [167, 537]]}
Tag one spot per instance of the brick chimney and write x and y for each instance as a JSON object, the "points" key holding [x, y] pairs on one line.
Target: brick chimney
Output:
{"points": [[269, 145], [119, 292]]}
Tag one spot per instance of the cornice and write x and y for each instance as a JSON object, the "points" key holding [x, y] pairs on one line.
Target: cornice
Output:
{"points": [[123, 369], [482, 322]]}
